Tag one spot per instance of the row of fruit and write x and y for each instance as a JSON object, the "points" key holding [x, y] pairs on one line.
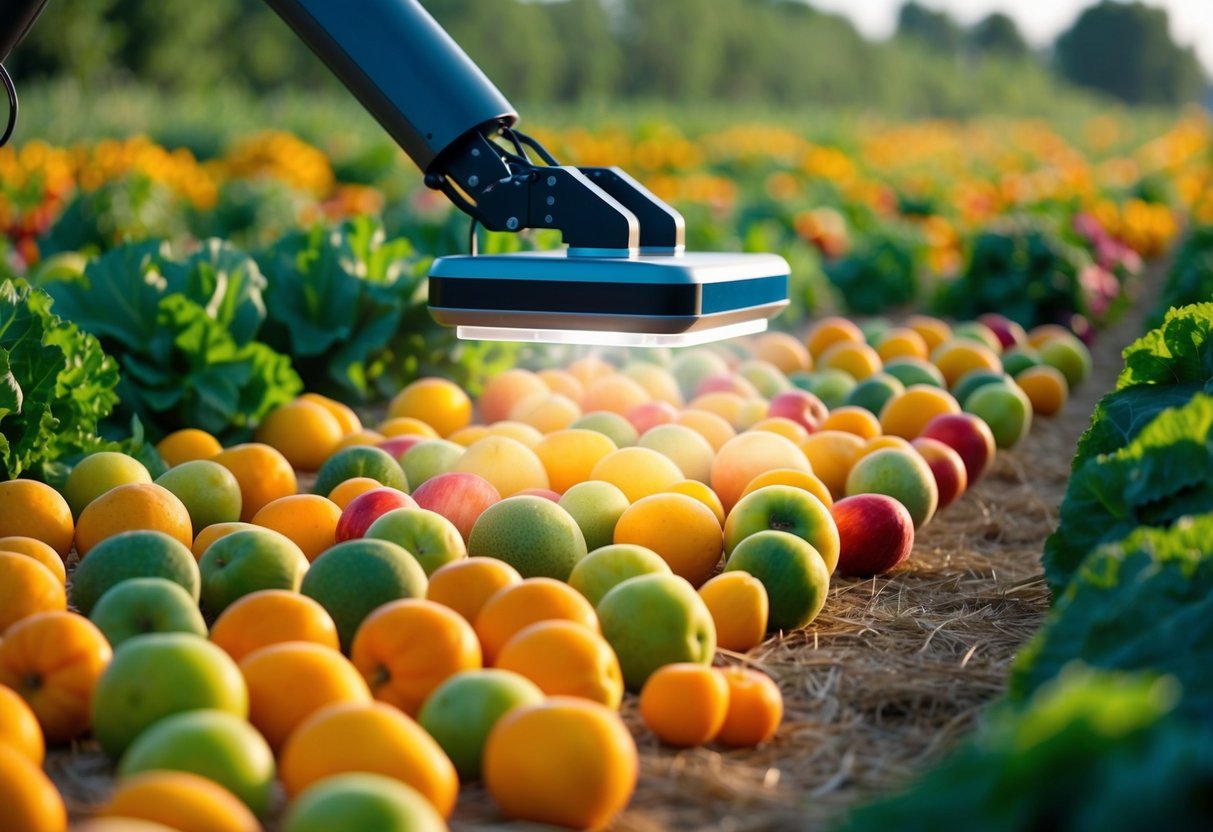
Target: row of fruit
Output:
{"points": [[1109, 703], [459, 599]]}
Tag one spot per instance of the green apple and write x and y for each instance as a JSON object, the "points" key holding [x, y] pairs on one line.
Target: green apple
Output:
{"points": [[429, 459], [792, 571], [767, 379], [831, 385], [426, 535], [157, 675], [611, 425], [361, 802], [602, 569], [208, 490], [654, 620], [142, 553], [97, 473], [138, 606], [693, 366], [461, 711], [684, 447], [875, 391], [903, 475], [247, 561], [217, 745], [1069, 355], [788, 509], [910, 371], [597, 507], [1005, 408]]}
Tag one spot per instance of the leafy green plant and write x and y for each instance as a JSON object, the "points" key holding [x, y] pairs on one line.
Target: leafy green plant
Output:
{"points": [[1190, 278], [128, 209], [56, 383], [1165, 473], [183, 331], [880, 274], [1145, 603], [1090, 751]]}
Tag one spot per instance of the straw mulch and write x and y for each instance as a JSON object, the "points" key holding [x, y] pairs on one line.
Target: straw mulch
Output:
{"points": [[893, 673]]}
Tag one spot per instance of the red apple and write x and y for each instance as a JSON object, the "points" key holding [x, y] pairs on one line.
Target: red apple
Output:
{"points": [[951, 476], [545, 493], [801, 406], [969, 436], [1010, 334], [875, 534], [651, 414], [459, 497], [727, 384], [397, 445], [367, 507]]}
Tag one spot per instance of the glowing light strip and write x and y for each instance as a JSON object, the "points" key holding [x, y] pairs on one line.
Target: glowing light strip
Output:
{"points": [[611, 339]]}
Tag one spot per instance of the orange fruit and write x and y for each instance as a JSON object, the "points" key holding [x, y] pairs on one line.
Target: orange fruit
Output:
{"points": [[564, 658], [44, 553], [833, 453], [569, 456], [374, 738], [711, 426], [564, 383], [680, 528], [907, 415], [53, 660], [793, 477], [932, 330], [566, 761], [851, 419], [783, 426], [703, 493], [637, 472], [747, 455], [264, 474], [506, 463], [466, 436], [505, 390], [215, 531], [19, 728], [362, 436], [438, 402], [684, 704], [465, 585], [138, 505], [755, 708], [740, 607], [186, 445], [879, 443], [347, 490], [305, 433], [616, 393], [782, 350], [857, 360], [407, 648], [272, 616], [515, 607], [289, 682], [309, 520], [34, 509], [345, 415], [180, 800], [26, 587], [830, 331], [722, 403], [546, 412], [902, 342], [656, 380], [959, 356], [1045, 387], [406, 426], [31, 802], [589, 369], [518, 431]]}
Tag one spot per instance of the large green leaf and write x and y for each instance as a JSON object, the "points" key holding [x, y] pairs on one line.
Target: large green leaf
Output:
{"points": [[226, 282], [1178, 351], [1166, 472]]}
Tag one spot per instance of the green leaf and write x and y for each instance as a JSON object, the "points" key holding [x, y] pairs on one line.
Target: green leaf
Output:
{"points": [[1179, 351], [1145, 603], [226, 282], [1165, 473]]}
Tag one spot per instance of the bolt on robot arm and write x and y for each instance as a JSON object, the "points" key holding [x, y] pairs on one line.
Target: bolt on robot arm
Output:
{"points": [[625, 277]]}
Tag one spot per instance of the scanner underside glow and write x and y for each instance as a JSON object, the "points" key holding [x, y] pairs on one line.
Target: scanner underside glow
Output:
{"points": [[596, 338]]}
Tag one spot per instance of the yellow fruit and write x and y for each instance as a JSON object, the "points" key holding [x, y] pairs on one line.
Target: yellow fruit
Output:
{"points": [[438, 402], [305, 433], [739, 606], [187, 445], [681, 529]]}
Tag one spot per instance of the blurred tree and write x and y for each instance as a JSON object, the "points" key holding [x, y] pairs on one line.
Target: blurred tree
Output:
{"points": [[73, 38], [176, 45], [997, 34], [934, 29], [590, 59], [673, 48], [1126, 49]]}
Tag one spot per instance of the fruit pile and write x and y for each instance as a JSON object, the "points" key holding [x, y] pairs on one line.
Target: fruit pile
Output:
{"points": [[459, 601]]}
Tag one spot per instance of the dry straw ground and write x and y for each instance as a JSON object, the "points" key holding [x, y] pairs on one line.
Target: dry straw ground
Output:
{"points": [[892, 674]]}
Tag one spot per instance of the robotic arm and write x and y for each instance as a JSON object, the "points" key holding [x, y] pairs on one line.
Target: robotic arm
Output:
{"points": [[624, 279]]}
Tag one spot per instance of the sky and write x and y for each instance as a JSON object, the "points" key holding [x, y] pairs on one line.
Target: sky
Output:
{"points": [[1039, 20]]}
